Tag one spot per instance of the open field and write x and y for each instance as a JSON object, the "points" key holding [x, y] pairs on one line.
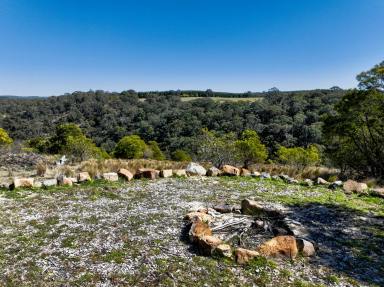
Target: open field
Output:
{"points": [[131, 234]]}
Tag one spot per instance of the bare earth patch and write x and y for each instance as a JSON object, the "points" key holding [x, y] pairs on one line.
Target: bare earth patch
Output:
{"points": [[131, 234]]}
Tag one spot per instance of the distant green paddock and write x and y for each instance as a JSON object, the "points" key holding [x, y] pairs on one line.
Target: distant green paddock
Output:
{"points": [[222, 99]]}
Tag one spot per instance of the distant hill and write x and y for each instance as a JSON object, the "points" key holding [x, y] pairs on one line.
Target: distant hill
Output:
{"points": [[10, 97], [286, 118]]}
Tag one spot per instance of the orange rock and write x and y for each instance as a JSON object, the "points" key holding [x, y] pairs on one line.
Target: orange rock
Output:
{"points": [[223, 250], [203, 216], [244, 255], [147, 173], [280, 245], [230, 170], [208, 243], [199, 229], [125, 173], [83, 176], [23, 182], [67, 181], [245, 172]]}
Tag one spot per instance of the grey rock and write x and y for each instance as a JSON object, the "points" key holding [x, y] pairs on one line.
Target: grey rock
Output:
{"points": [[195, 169]]}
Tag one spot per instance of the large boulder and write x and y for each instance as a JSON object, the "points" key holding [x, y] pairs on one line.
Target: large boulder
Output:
{"points": [[279, 245], [243, 255], [245, 172], [265, 175], [321, 181], [336, 184], [378, 191], [230, 170], [111, 176], [305, 247], [223, 250], [214, 171], [50, 182], [195, 169], [255, 174], [199, 228], [252, 207], [166, 173], [125, 173], [207, 244], [63, 180], [198, 215], [351, 186], [179, 172], [147, 173], [25, 182], [83, 177]]}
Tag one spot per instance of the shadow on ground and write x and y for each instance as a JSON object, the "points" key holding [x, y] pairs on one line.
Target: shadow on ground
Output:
{"points": [[347, 241]]}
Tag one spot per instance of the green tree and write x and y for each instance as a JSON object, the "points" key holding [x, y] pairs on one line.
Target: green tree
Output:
{"points": [[4, 138], [372, 79], [355, 134], [80, 148], [39, 144], [298, 156], [62, 133], [130, 147], [155, 151], [250, 149], [217, 148], [180, 155]]}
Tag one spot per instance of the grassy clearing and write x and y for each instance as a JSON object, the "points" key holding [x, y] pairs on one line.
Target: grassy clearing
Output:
{"points": [[128, 234]]}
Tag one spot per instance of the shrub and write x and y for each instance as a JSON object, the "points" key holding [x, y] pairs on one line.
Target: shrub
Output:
{"points": [[81, 148], [62, 134], [180, 155], [39, 144], [250, 149], [130, 147], [217, 148], [4, 138], [298, 156], [156, 152], [41, 168]]}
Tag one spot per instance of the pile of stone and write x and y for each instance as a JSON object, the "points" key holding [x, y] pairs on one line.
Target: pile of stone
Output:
{"points": [[203, 224]]}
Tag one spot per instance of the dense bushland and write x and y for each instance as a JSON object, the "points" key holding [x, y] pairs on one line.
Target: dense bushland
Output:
{"points": [[280, 118]]}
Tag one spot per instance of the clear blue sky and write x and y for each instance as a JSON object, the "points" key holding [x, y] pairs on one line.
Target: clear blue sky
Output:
{"points": [[49, 47]]}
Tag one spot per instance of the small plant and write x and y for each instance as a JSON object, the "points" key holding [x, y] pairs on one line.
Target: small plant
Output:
{"points": [[41, 168]]}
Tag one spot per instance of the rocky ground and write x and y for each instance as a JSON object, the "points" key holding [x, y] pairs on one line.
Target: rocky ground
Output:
{"points": [[132, 234]]}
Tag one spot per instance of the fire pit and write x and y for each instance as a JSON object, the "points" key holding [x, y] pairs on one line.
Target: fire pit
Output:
{"points": [[246, 231]]}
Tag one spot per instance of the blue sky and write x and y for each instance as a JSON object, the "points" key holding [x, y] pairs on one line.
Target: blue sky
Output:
{"points": [[49, 47]]}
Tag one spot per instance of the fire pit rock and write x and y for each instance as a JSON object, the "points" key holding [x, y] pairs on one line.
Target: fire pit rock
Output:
{"points": [[242, 233]]}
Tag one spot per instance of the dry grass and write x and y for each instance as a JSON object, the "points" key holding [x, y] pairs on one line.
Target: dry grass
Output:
{"points": [[41, 168], [97, 167], [309, 172]]}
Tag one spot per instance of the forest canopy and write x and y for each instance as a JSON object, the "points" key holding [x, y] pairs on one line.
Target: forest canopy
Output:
{"points": [[279, 118]]}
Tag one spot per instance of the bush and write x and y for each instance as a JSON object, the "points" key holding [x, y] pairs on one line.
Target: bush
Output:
{"points": [[250, 149], [4, 138], [155, 151], [180, 155], [130, 147], [81, 148], [298, 156], [39, 144], [217, 148]]}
